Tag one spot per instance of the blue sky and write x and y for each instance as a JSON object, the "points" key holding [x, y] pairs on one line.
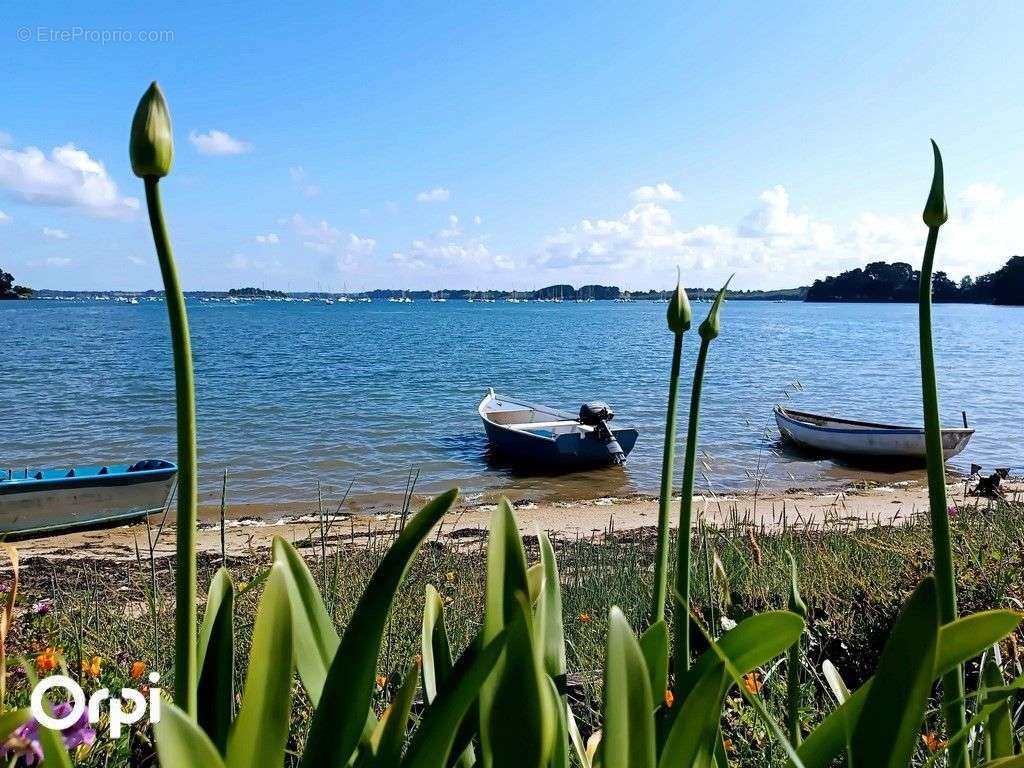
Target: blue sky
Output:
{"points": [[472, 145]]}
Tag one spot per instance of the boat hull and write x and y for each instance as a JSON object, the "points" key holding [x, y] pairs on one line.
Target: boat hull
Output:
{"points": [[30, 506], [559, 449], [863, 439]]}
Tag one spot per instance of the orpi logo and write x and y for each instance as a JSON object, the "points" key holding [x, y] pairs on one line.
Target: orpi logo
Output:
{"points": [[79, 705]]}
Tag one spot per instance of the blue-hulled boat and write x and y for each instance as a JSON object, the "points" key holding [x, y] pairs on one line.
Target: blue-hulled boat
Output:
{"points": [[546, 437], [38, 501]]}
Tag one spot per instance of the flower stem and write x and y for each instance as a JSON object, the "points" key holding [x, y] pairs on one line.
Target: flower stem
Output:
{"points": [[793, 693], [185, 674], [681, 646], [945, 581], [665, 499]]}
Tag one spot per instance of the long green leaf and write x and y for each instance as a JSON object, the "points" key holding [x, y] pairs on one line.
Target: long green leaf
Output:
{"points": [[216, 658], [887, 731], [341, 713], [432, 742], [316, 640], [691, 741], [654, 646], [260, 733], [968, 637], [181, 743], [437, 658], [999, 725], [958, 642], [434, 648], [560, 752], [693, 736], [389, 736], [627, 740], [749, 644], [549, 611], [518, 723]]}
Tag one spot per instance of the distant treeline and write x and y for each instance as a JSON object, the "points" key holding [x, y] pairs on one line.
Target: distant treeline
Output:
{"points": [[880, 281], [8, 290], [255, 293]]}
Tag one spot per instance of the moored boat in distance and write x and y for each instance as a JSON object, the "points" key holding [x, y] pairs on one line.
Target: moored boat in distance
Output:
{"points": [[50, 500], [546, 437], [864, 439]]}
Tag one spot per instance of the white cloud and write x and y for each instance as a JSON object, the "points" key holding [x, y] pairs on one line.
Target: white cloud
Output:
{"points": [[5, 139], [451, 249], [324, 238], [774, 245], [69, 177], [452, 230], [54, 234], [57, 261], [478, 220], [317, 236], [218, 143], [270, 238], [4, 218], [435, 195], [355, 249], [657, 192], [301, 180]]}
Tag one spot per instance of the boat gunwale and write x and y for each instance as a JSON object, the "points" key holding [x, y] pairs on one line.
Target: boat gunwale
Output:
{"points": [[13, 485], [868, 427]]}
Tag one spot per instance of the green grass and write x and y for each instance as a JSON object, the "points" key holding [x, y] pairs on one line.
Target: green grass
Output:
{"points": [[854, 584]]}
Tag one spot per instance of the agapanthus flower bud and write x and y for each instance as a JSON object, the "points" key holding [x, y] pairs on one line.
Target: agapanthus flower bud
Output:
{"points": [[151, 147], [679, 315], [935, 214], [710, 328]]}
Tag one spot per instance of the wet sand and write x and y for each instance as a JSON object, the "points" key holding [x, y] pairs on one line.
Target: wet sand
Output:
{"points": [[250, 528]]}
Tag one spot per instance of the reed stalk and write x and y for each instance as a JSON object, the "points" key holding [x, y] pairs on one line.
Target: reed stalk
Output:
{"points": [[679, 319], [709, 330], [935, 216]]}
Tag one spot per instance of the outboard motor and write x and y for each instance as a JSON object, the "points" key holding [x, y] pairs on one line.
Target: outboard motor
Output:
{"points": [[597, 414]]}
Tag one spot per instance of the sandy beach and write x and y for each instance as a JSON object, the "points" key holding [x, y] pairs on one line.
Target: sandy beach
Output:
{"points": [[249, 528]]}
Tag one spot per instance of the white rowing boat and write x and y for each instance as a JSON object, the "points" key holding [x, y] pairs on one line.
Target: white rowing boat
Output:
{"points": [[830, 434]]}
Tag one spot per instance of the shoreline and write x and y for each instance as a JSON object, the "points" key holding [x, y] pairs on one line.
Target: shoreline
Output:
{"points": [[250, 528]]}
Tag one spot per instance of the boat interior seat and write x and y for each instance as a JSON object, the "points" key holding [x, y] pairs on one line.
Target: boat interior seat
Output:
{"points": [[103, 471], [511, 416], [39, 475], [552, 425]]}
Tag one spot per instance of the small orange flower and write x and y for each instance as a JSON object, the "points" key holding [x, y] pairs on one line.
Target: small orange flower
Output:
{"points": [[932, 741], [381, 682], [93, 668], [138, 669], [585, 617], [752, 682], [48, 660], [728, 745], [669, 699]]}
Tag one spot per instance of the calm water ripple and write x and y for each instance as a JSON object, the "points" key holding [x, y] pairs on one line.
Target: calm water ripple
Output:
{"points": [[293, 393]]}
